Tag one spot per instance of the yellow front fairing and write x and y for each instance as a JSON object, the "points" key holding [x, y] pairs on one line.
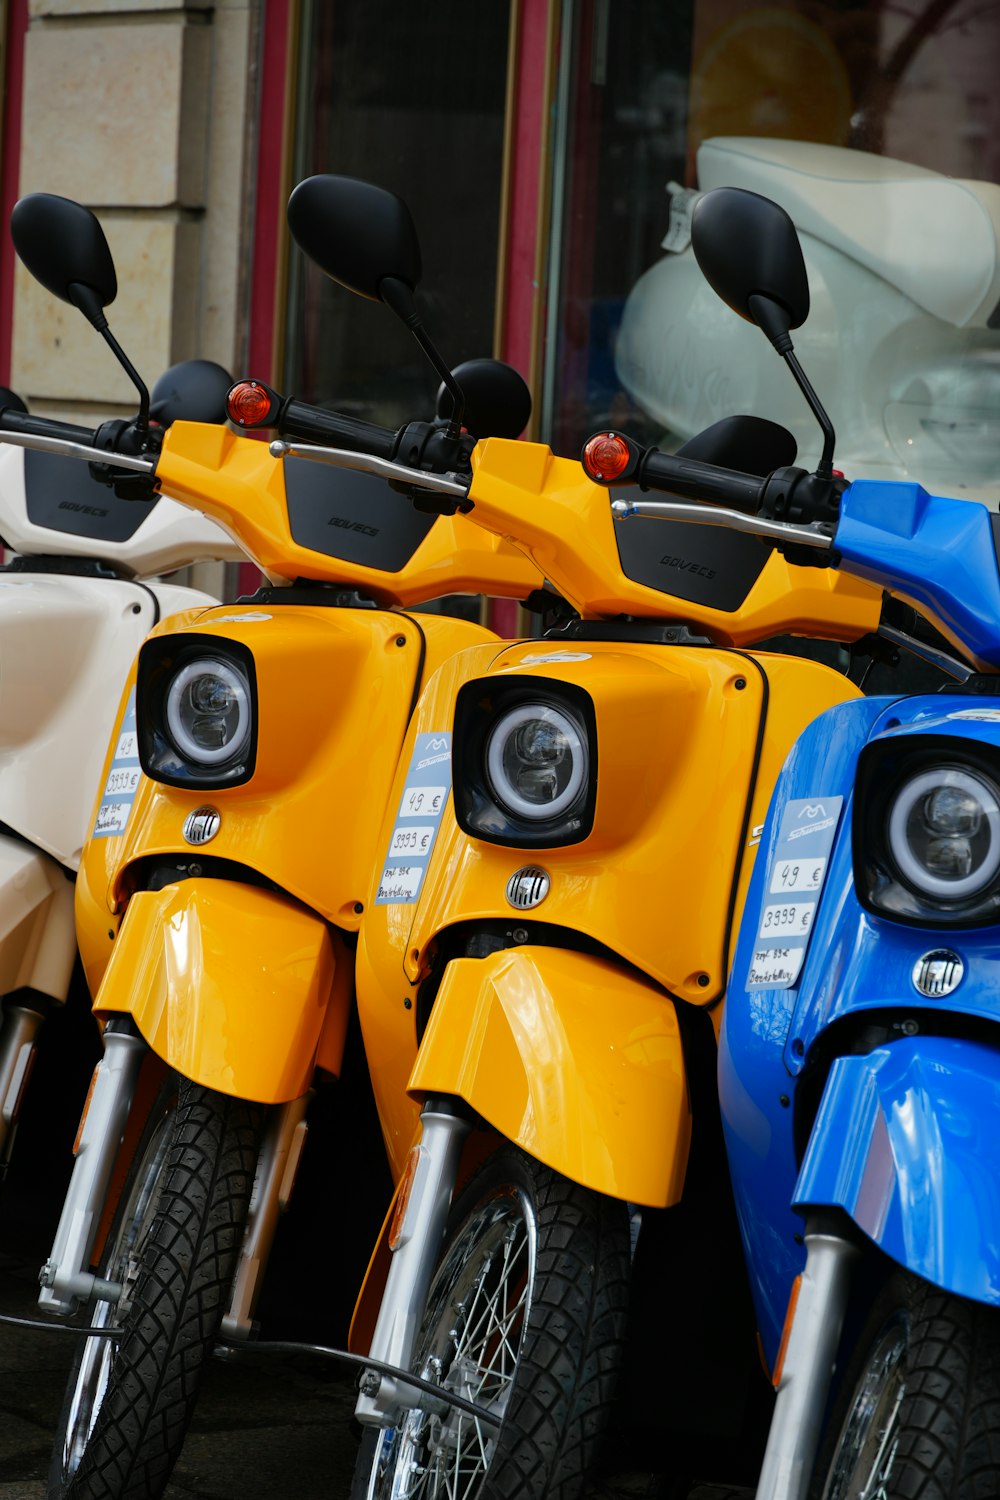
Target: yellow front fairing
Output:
{"points": [[334, 692], [690, 741]]}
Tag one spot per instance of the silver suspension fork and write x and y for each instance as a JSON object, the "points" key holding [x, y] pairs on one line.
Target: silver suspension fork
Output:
{"points": [[64, 1278], [18, 1030], [445, 1127], [804, 1384]]}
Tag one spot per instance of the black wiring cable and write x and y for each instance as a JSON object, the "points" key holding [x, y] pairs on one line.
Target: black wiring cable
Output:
{"points": [[96, 1333], [362, 1362], [284, 1346]]}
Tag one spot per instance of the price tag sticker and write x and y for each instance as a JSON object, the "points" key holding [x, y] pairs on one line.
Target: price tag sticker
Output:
{"points": [[123, 778], [796, 875], [425, 795], [682, 202]]}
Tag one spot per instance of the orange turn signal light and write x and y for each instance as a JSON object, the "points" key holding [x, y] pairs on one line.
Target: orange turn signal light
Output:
{"points": [[606, 456], [249, 404]]}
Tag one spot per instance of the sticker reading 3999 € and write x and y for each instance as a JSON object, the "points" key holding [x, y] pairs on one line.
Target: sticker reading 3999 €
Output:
{"points": [[123, 778], [794, 881], [428, 782]]}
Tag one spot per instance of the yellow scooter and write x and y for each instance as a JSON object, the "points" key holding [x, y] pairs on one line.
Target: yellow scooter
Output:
{"points": [[224, 881], [545, 944]]}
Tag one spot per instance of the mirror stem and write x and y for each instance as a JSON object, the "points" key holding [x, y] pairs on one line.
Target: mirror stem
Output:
{"points": [[825, 466], [142, 420], [399, 297]]}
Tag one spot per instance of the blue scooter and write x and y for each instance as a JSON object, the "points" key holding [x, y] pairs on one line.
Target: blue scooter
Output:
{"points": [[860, 1049]]}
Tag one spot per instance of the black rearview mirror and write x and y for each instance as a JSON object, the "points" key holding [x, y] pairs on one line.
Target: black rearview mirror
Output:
{"points": [[63, 246], [749, 253], [497, 400], [359, 234]]}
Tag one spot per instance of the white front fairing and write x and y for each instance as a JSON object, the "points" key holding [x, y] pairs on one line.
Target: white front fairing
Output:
{"points": [[896, 343], [51, 507], [66, 646]]}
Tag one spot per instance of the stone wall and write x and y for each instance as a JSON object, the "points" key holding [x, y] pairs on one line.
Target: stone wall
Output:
{"points": [[143, 110]]}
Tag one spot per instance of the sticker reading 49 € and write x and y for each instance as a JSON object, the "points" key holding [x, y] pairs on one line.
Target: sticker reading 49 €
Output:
{"points": [[796, 874], [428, 783], [123, 778]]}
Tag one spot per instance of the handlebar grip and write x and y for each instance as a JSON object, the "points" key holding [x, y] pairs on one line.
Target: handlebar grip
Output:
{"points": [[19, 421], [314, 424], [700, 481]]}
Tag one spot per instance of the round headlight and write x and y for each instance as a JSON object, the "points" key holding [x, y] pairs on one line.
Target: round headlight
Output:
{"points": [[944, 832], [208, 711], [536, 761]]}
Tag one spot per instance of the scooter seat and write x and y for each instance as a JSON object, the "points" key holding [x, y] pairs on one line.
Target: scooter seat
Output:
{"points": [[934, 238]]}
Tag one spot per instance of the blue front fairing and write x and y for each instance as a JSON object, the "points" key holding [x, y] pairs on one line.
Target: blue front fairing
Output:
{"points": [[938, 554], [854, 963]]}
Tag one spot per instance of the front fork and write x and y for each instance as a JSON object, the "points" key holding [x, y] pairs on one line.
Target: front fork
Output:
{"points": [[64, 1276], [417, 1245], [803, 1387], [65, 1279]]}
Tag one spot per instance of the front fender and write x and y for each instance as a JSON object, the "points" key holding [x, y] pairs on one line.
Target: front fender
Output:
{"points": [[229, 984], [906, 1142], [574, 1059]]}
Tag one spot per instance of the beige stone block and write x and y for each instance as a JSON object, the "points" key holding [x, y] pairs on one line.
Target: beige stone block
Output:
{"points": [[223, 293], [117, 114], [54, 8], [57, 356]]}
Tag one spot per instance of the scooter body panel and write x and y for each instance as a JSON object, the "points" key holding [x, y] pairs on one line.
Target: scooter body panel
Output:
{"points": [[229, 984], [855, 971], [920, 1174], [936, 553], [308, 817], [37, 938], [297, 519], [524, 490], [66, 645], [572, 1058], [668, 826], [50, 506]]}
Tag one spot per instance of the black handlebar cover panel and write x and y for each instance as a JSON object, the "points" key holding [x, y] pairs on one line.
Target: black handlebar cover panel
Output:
{"points": [[61, 495], [355, 517]]}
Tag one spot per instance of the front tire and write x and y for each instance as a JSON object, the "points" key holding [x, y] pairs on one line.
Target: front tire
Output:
{"points": [[173, 1245], [919, 1417], [526, 1316]]}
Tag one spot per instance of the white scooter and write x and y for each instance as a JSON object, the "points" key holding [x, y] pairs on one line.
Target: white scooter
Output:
{"points": [[911, 377], [73, 611]]}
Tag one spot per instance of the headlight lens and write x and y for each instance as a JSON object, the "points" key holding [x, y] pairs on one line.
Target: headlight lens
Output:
{"points": [[944, 832], [207, 711], [536, 761]]}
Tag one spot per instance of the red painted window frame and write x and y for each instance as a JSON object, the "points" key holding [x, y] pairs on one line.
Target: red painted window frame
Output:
{"points": [[10, 169]]}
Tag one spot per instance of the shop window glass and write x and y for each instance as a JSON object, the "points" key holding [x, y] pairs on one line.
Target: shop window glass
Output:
{"points": [[407, 97], [878, 127]]}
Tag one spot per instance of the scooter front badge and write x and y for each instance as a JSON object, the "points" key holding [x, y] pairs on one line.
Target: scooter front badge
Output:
{"points": [[202, 824], [938, 973], [528, 887]]}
